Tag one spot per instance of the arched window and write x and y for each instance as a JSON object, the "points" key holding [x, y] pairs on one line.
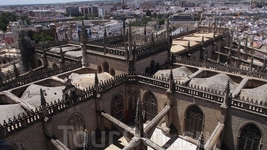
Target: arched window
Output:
{"points": [[105, 67], [76, 125], [112, 72], [117, 107], [193, 122], [99, 69], [152, 66], [151, 106], [147, 70], [157, 66], [249, 138]]}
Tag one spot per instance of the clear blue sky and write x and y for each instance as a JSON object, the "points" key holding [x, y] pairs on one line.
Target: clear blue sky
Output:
{"points": [[15, 2]]}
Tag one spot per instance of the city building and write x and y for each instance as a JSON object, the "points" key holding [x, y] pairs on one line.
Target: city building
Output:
{"points": [[72, 11], [195, 86]]}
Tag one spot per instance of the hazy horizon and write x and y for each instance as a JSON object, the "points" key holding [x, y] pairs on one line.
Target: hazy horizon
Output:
{"points": [[27, 2]]}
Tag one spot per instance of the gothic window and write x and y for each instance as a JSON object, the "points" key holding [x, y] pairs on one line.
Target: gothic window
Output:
{"points": [[105, 67], [18, 146], [193, 122], [151, 106], [112, 72], [99, 69], [76, 126], [147, 70], [117, 107], [152, 66], [249, 138], [157, 66]]}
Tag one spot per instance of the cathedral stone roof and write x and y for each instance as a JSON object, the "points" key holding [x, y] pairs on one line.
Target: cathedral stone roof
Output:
{"points": [[178, 73], [259, 93], [9, 111], [32, 94], [83, 81], [217, 82]]}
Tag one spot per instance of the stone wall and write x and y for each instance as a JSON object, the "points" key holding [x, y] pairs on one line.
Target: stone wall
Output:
{"points": [[31, 137]]}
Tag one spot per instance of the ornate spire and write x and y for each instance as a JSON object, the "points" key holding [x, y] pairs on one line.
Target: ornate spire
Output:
{"points": [[214, 36], [239, 49], [96, 80], [43, 102], [15, 69], [152, 38], [205, 55], [264, 65], [171, 82], [251, 62], [105, 40], [188, 49], [226, 95], [139, 119], [96, 87], [62, 59], [130, 37], [167, 29], [84, 37], [145, 33], [246, 44], [69, 32], [87, 145], [219, 57], [200, 144]]}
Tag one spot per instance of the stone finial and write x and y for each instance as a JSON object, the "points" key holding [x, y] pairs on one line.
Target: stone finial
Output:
{"points": [[246, 44], [139, 119], [130, 37], [251, 63], [205, 54], [56, 37], [87, 145], [167, 28], [105, 40], [188, 49], [62, 59], [200, 144], [264, 65], [43, 102], [84, 38], [226, 95], [152, 38], [214, 34], [171, 82], [44, 52], [96, 79], [69, 31], [15, 69], [145, 33]]}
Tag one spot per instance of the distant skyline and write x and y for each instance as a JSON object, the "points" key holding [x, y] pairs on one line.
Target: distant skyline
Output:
{"points": [[22, 2]]}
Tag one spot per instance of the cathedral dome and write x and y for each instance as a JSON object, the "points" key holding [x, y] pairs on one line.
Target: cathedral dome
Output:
{"points": [[180, 73], [259, 93], [217, 82]]}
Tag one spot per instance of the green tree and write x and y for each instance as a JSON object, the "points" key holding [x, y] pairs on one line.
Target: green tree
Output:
{"points": [[161, 21], [38, 37], [5, 18], [148, 13], [27, 19]]}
